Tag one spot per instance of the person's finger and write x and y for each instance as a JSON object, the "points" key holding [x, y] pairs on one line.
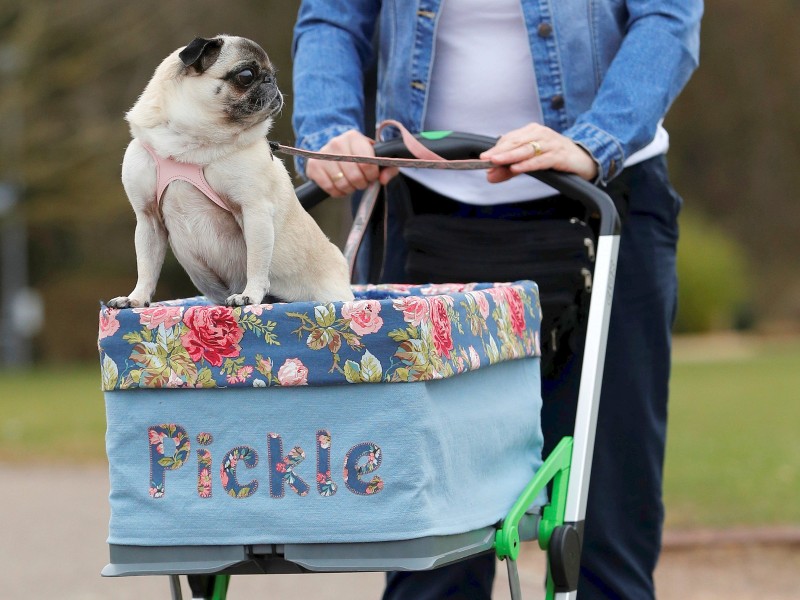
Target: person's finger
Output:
{"points": [[357, 181], [499, 174], [387, 174], [336, 171], [317, 173], [568, 158], [354, 174], [517, 138], [522, 159], [518, 153], [537, 163], [363, 146], [354, 143]]}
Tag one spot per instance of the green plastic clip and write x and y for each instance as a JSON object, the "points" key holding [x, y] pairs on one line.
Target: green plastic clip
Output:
{"points": [[556, 469], [435, 135]]}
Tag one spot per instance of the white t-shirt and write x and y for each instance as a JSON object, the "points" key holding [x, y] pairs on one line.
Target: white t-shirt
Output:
{"points": [[473, 69]]}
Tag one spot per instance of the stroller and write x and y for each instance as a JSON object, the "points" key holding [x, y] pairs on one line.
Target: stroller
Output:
{"points": [[427, 362]]}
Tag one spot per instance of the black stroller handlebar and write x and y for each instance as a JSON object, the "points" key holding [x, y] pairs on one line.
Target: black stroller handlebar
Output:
{"points": [[456, 145]]}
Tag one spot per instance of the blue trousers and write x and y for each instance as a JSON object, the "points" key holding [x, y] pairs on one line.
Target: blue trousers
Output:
{"points": [[625, 512]]}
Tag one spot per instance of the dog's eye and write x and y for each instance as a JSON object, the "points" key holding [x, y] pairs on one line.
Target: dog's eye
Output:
{"points": [[245, 77]]}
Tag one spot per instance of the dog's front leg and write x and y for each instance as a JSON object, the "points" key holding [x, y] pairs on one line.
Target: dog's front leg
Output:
{"points": [[259, 237], [151, 248]]}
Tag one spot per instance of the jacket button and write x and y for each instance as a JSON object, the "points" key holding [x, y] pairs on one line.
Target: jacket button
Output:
{"points": [[612, 168], [545, 30], [557, 101], [418, 85]]}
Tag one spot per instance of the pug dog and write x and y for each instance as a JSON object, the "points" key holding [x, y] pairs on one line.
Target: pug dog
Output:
{"points": [[209, 107]]}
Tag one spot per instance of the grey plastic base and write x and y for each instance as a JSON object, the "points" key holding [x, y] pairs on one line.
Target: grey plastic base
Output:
{"points": [[407, 555]]}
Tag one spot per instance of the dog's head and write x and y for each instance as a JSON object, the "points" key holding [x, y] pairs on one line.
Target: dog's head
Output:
{"points": [[210, 89], [233, 75]]}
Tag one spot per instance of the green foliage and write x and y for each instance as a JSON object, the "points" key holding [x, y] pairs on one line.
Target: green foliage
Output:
{"points": [[713, 282], [733, 140]]}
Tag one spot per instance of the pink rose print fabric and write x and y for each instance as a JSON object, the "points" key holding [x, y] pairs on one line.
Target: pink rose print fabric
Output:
{"points": [[213, 334], [152, 317], [364, 316], [389, 333]]}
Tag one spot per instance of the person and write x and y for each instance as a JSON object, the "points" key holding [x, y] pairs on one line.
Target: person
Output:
{"points": [[573, 86]]}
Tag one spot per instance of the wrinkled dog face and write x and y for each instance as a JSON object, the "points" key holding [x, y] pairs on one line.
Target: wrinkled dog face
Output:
{"points": [[234, 74]]}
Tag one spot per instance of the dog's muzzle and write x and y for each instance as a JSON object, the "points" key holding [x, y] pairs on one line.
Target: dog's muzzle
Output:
{"points": [[275, 103]]}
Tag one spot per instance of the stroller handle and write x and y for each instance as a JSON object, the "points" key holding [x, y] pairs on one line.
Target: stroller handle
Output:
{"points": [[456, 145]]}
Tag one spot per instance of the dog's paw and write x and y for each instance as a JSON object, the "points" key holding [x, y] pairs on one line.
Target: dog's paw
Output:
{"points": [[126, 302], [238, 300]]}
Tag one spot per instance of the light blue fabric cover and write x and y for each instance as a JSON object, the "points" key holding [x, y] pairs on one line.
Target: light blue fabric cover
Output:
{"points": [[455, 454]]}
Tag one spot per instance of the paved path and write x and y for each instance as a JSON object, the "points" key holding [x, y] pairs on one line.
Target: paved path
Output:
{"points": [[53, 525]]}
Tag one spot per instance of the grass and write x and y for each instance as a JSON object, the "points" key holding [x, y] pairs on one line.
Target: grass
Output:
{"points": [[733, 453], [733, 449], [52, 415]]}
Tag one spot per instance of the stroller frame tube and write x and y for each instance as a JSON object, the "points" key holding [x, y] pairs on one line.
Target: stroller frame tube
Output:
{"points": [[571, 461], [591, 377], [590, 387]]}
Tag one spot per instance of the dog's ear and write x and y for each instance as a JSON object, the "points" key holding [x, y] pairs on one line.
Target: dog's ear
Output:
{"points": [[201, 53]]}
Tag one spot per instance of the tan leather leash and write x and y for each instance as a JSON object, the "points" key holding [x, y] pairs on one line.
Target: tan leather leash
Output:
{"points": [[424, 159], [385, 161]]}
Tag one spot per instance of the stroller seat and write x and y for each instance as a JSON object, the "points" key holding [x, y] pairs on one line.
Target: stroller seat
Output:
{"points": [[367, 421]]}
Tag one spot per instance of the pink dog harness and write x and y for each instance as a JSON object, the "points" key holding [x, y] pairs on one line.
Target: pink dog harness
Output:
{"points": [[168, 170]]}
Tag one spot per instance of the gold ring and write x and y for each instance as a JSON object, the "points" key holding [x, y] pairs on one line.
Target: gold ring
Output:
{"points": [[338, 176], [537, 148]]}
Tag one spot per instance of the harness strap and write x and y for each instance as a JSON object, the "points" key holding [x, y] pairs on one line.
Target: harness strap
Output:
{"points": [[169, 170]]}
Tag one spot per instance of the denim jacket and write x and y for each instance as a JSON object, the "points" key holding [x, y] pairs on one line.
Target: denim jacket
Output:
{"points": [[607, 70]]}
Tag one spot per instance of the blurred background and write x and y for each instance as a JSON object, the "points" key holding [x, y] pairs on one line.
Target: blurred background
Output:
{"points": [[69, 70]]}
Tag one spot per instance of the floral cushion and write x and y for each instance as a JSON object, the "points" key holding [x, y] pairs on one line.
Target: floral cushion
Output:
{"points": [[389, 333]]}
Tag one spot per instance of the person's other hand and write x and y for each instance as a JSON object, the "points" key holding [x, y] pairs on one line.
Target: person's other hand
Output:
{"points": [[535, 147], [343, 178]]}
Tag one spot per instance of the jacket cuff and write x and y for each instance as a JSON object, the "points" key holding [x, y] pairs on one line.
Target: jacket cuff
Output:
{"points": [[603, 147], [314, 142]]}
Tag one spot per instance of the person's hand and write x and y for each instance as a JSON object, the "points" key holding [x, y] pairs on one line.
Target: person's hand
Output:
{"points": [[535, 147], [343, 178]]}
